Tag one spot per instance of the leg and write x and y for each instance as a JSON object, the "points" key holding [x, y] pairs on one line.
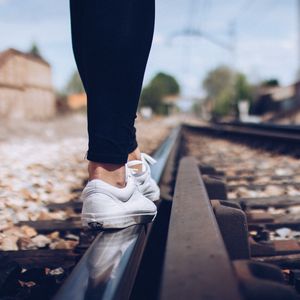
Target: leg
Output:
{"points": [[111, 41]]}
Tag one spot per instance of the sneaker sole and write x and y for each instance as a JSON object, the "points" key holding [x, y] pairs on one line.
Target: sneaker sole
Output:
{"points": [[95, 221]]}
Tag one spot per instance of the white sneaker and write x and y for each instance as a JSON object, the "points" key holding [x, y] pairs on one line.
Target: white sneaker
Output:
{"points": [[109, 207], [145, 183]]}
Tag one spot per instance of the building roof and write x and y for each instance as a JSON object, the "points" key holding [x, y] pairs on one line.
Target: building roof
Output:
{"points": [[283, 93], [279, 93], [5, 55]]}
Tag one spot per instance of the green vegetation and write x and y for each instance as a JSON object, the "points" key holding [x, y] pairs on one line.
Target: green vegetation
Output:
{"points": [[74, 85], [160, 86], [243, 90], [224, 89], [270, 82], [34, 50]]}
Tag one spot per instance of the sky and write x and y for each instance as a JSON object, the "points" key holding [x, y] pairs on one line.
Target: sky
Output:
{"points": [[262, 36]]}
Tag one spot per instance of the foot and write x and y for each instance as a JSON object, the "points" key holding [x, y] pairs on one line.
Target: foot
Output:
{"points": [[113, 174], [142, 176], [108, 207]]}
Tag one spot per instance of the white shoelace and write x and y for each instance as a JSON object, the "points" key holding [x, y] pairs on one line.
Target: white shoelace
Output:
{"points": [[145, 157]]}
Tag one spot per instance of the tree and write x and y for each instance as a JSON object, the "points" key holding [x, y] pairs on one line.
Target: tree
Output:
{"points": [[74, 85], [219, 87], [242, 88], [167, 84], [270, 82], [225, 89], [34, 50], [151, 97], [160, 86], [218, 80]]}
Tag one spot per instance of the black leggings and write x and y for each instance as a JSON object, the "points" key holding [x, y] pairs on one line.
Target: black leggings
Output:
{"points": [[111, 43]]}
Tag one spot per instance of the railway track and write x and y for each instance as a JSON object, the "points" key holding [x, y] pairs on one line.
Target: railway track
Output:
{"points": [[64, 273], [228, 227], [254, 171]]}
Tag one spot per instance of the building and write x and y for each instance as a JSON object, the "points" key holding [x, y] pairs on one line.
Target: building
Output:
{"points": [[277, 103], [26, 90], [77, 101]]}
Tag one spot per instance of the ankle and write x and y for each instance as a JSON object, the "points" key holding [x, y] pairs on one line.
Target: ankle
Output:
{"points": [[136, 155], [113, 174]]}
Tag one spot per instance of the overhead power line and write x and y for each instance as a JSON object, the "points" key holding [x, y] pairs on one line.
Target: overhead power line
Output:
{"points": [[190, 32]]}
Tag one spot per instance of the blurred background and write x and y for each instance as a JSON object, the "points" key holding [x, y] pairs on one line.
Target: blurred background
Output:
{"points": [[207, 57], [210, 59]]}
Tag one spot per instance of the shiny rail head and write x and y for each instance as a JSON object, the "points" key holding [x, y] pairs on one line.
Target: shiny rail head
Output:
{"points": [[107, 269]]}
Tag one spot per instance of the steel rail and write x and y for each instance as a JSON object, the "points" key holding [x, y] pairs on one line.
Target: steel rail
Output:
{"points": [[197, 265], [108, 268], [226, 130], [266, 125]]}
